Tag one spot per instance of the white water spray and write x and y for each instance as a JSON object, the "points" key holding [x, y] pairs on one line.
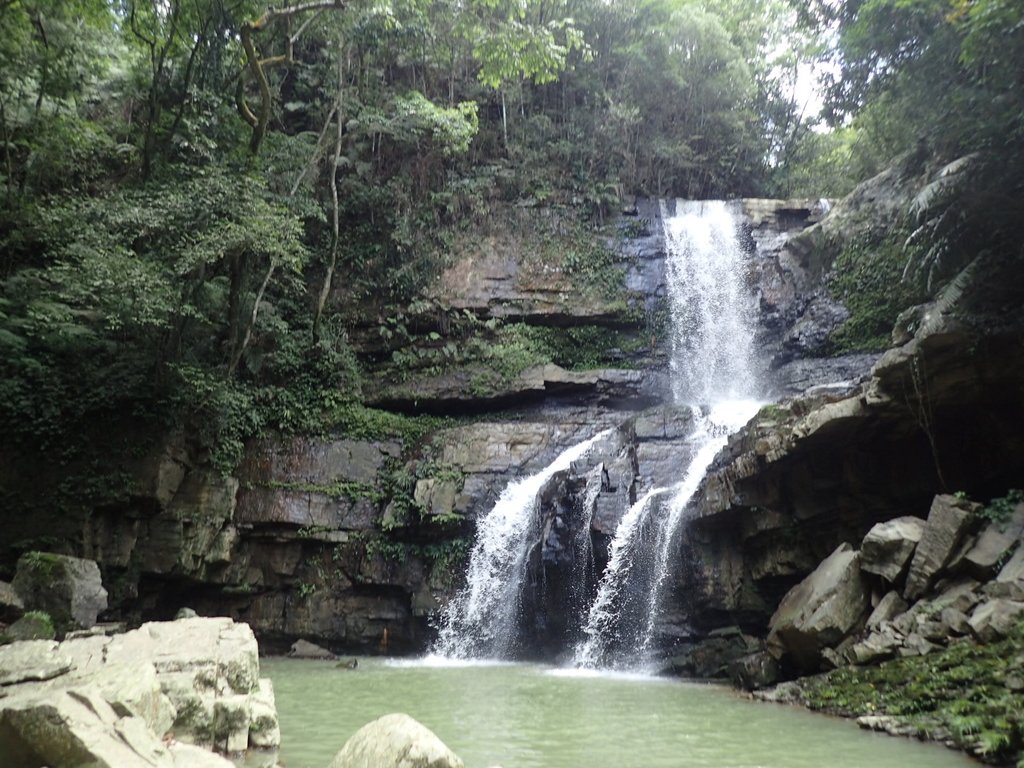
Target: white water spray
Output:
{"points": [[712, 308], [480, 622]]}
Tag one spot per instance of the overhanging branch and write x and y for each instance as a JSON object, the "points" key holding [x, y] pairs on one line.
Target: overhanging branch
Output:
{"points": [[257, 67]]}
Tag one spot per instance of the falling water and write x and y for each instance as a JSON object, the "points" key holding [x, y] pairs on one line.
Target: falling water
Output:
{"points": [[712, 308], [604, 628], [480, 622], [714, 369]]}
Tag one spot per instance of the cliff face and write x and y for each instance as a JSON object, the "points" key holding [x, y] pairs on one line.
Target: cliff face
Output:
{"points": [[941, 413], [354, 539]]}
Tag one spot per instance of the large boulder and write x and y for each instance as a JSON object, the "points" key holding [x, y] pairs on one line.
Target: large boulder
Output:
{"points": [[69, 589], [888, 547], [79, 727], [949, 521], [196, 678], [996, 541], [395, 741], [820, 611]]}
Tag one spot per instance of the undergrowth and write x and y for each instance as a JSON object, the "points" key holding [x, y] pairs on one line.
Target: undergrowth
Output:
{"points": [[867, 277], [969, 693]]}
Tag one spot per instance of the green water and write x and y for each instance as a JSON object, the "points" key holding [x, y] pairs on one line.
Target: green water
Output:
{"points": [[527, 716]]}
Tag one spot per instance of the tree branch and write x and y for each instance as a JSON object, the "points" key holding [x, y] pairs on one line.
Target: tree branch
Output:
{"points": [[257, 68]]}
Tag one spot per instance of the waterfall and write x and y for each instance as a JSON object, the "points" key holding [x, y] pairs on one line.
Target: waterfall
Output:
{"points": [[714, 369], [712, 309], [604, 628], [480, 622]]}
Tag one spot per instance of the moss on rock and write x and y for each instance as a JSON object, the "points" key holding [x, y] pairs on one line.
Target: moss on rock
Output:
{"points": [[969, 693]]}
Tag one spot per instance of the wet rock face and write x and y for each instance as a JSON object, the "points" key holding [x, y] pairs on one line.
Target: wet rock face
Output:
{"points": [[576, 507]]}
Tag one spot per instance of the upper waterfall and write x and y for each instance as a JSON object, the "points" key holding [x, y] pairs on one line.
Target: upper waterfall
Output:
{"points": [[712, 308]]}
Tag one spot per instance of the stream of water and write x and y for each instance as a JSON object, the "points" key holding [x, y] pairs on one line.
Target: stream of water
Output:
{"points": [[480, 622], [531, 716]]}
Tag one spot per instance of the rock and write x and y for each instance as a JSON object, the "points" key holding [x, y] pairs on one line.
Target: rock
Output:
{"points": [[906, 622], [888, 547], [303, 649], [32, 660], [933, 631], [820, 611], [1011, 590], [949, 520], [264, 727], [197, 678], [69, 589], [75, 727], [784, 693], [955, 621], [1013, 571], [34, 625], [436, 497], [878, 646], [11, 606], [755, 670], [995, 619], [888, 608], [714, 655], [886, 724], [191, 756], [996, 540], [185, 613], [916, 645], [961, 594], [104, 629], [395, 741]]}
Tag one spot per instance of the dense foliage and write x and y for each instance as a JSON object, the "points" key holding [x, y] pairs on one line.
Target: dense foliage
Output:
{"points": [[202, 200]]}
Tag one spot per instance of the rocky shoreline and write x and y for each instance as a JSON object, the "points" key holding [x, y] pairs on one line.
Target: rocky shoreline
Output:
{"points": [[177, 693]]}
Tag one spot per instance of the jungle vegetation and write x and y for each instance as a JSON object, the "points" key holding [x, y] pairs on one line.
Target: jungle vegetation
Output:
{"points": [[201, 200]]}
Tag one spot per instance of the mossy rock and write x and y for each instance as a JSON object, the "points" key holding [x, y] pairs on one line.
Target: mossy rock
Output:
{"points": [[34, 625], [69, 589], [972, 691]]}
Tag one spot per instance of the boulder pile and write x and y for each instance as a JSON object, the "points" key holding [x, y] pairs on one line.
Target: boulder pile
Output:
{"points": [[914, 586]]}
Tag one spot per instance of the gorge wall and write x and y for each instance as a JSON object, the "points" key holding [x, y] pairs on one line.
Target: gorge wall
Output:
{"points": [[353, 539]]}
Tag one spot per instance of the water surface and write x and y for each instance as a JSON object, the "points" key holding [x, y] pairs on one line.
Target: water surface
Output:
{"points": [[531, 716]]}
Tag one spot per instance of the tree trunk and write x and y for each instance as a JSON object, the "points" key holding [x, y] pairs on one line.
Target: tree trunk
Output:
{"points": [[325, 289], [237, 357]]}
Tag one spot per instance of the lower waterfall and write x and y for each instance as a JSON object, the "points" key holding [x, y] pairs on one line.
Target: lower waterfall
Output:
{"points": [[622, 636], [480, 622]]}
